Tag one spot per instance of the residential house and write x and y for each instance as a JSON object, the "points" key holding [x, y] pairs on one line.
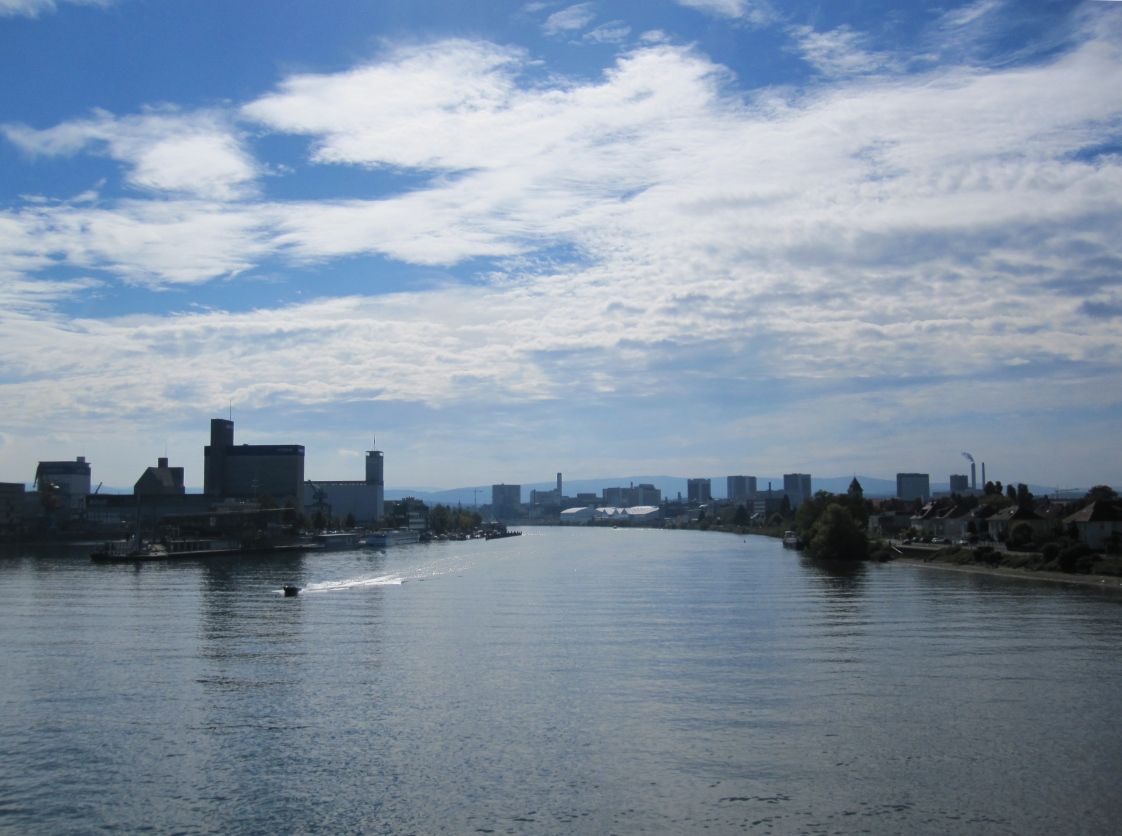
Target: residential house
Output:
{"points": [[1099, 524]]}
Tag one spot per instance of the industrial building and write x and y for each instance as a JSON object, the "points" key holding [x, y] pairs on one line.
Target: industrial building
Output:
{"points": [[364, 500], [160, 480], [252, 471], [67, 482]]}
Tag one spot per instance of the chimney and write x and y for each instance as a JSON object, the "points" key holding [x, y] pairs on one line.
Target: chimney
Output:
{"points": [[162, 463]]}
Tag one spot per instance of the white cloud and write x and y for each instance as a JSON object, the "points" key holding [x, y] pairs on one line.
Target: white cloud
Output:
{"points": [[167, 151], [755, 11], [971, 13], [879, 231], [612, 32], [569, 19], [838, 52], [140, 242], [33, 8]]}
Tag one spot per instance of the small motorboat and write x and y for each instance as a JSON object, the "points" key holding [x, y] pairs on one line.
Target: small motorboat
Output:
{"points": [[290, 591]]}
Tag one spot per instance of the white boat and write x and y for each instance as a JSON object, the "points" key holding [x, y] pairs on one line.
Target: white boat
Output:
{"points": [[790, 540], [334, 540], [395, 537]]}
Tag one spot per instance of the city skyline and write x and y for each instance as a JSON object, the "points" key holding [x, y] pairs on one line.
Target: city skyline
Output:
{"points": [[692, 237]]}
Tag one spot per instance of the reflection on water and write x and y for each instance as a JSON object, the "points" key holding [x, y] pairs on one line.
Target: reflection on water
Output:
{"points": [[584, 681]]}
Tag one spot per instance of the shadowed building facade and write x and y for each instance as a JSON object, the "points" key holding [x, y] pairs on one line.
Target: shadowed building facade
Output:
{"points": [[252, 471]]}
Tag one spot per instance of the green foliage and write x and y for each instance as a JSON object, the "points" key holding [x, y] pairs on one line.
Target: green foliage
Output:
{"points": [[443, 520], [836, 535], [988, 555], [1074, 557], [1020, 535]]}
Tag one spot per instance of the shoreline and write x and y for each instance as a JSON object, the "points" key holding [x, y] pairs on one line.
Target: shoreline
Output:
{"points": [[1110, 582]]}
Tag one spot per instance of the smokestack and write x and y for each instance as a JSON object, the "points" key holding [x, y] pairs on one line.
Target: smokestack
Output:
{"points": [[983, 474], [559, 486], [973, 479]]}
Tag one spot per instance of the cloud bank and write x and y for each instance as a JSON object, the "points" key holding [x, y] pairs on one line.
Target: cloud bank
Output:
{"points": [[886, 243]]}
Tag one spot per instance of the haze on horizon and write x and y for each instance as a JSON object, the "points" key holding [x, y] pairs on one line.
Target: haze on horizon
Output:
{"points": [[693, 237]]}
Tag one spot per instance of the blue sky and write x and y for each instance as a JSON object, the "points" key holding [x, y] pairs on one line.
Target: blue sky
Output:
{"points": [[696, 238]]}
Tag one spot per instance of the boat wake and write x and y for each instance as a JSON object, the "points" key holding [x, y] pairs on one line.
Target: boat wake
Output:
{"points": [[429, 570], [352, 583]]}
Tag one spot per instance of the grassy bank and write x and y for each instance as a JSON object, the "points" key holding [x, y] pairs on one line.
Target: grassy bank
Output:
{"points": [[1074, 566]]}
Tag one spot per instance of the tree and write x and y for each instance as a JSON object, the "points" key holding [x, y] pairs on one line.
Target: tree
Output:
{"points": [[1011, 492], [440, 518], [810, 510], [837, 536], [741, 517], [1020, 535]]}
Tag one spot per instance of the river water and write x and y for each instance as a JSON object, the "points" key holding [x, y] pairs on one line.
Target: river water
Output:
{"points": [[567, 681]]}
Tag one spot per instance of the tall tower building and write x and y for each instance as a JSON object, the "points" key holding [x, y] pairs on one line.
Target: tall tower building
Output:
{"points": [[741, 488], [699, 491], [796, 487], [913, 486], [375, 480]]}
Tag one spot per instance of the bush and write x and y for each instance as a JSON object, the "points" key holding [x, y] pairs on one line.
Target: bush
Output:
{"points": [[1051, 551], [987, 554], [1109, 565], [1069, 559], [1085, 563]]}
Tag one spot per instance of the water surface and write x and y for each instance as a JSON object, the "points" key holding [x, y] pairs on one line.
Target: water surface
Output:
{"points": [[566, 681]]}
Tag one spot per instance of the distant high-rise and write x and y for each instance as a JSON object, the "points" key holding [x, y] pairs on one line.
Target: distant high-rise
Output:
{"points": [[796, 487], [741, 488], [960, 483], [913, 486], [699, 491], [506, 501]]}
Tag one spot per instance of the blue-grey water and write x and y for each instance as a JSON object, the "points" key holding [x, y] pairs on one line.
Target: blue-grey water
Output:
{"points": [[566, 681]]}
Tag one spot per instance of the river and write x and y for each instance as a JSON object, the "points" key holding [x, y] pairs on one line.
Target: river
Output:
{"points": [[567, 681]]}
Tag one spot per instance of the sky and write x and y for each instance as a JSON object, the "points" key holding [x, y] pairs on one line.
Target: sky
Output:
{"points": [[501, 240]]}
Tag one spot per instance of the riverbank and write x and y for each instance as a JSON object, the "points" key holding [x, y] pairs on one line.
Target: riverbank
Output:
{"points": [[1098, 581]]}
